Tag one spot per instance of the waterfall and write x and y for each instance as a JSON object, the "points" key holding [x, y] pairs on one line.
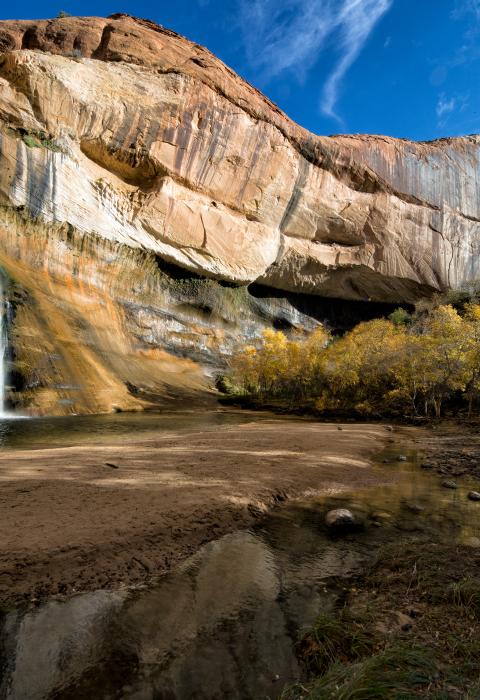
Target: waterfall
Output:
{"points": [[4, 316]]}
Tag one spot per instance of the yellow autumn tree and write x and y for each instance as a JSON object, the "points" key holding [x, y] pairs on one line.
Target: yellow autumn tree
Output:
{"points": [[402, 365], [442, 356], [472, 362], [357, 367], [279, 366]]}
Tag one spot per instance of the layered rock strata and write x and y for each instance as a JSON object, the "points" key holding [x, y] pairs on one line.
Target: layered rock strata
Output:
{"points": [[122, 143]]}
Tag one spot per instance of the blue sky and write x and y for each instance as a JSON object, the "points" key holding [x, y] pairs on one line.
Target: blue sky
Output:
{"points": [[407, 68]]}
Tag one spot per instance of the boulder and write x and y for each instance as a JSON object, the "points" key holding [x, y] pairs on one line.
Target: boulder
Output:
{"points": [[341, 520]]}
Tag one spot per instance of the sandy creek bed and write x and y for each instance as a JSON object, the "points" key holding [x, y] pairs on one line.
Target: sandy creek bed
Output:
{"points": [[69, 522], [90, 549]]}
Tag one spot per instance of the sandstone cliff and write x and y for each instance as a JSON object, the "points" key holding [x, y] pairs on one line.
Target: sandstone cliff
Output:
{"points": [[128, 153]]}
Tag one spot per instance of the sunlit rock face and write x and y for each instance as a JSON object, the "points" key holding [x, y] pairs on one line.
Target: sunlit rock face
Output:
{"points": [[122, 143]]}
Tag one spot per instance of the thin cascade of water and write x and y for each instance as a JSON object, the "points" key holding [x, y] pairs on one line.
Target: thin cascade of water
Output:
{"points": [[3, 348], [4, 314]]}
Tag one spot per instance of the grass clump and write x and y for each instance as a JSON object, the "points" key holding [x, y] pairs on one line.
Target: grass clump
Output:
{"points": [[333, 638], [397, 672], [409, 627], [466, 594]]}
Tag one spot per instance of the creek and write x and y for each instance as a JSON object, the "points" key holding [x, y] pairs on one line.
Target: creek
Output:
{"points": [[225, 623]]}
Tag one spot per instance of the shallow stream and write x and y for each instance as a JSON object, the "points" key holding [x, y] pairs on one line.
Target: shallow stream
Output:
{"points": [[31, 433], [225, 623]]}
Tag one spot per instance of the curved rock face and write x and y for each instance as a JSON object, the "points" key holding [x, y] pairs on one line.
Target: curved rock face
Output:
{"points": [[118, 130]]}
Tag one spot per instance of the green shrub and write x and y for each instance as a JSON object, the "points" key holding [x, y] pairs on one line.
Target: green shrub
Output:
{"points": [[400, 317], [39, 139], [30, 141]]}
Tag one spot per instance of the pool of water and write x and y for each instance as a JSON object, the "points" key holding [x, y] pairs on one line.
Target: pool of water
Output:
{"points": [[225, 623], [64, 431]]}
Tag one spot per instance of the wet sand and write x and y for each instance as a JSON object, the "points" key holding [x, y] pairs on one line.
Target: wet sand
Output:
{"points": [[69, 522]]}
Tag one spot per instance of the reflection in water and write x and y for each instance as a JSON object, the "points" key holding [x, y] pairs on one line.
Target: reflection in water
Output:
{"points": [[224, 624], [219, 626], [67, 430], [56, 642]]}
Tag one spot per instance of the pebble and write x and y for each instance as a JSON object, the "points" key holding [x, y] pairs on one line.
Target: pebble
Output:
{"points": [[401, 458], [449, 485], [380, 516], [474, 496], [405, 622], [415, 508], [473, 542]]}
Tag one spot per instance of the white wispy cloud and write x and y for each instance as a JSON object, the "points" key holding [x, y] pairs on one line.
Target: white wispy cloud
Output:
{"points": [[465, 7], [469, 51], [453, 108], [356, 22], [445, 106], [475, 7], [289, 36]]}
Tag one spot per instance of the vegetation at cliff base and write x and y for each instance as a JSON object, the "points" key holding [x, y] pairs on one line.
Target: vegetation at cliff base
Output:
{"points": [[404, 365]]}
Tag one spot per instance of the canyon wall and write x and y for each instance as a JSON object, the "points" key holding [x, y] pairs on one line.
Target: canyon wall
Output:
{"points": [[155, 210]]}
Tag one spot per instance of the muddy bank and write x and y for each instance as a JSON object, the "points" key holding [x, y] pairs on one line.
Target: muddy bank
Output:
{"points": [[391, 605], [451, 449], [408, 624], [83, 517]]}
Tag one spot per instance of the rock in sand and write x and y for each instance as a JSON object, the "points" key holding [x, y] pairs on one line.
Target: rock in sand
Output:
{"points": [[341, 519], [449, 485]]}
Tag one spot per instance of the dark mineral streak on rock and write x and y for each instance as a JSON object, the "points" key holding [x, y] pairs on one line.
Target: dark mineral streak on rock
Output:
{"points": [[123, 144]]}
